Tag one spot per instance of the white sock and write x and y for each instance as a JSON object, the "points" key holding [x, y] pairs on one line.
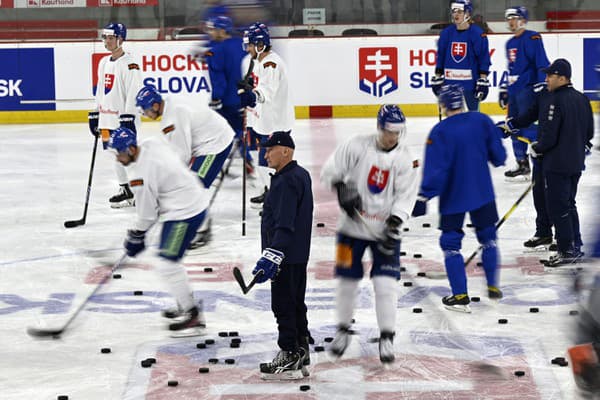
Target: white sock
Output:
{"points": [[386, 301], [175, 277], [121, 173], [345, 298]]}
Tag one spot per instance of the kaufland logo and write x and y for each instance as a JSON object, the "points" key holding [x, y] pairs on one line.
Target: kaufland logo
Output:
{"points": [[378, 70]]}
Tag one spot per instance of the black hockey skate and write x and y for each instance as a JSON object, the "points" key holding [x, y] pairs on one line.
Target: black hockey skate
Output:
{"points": [[538, 241], [303, 343], [172, 313], [287, 365], [522, 171], [122, 199], [459, 302], [386, 347], [494, 293], [189, 323], [564, 258]]}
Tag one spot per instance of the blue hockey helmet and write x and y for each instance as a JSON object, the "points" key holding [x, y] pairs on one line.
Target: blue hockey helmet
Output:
{"points": [[146, 97], [121, 139], [220, 22], [451, 96], [258, 33], [391, 118], [517, 11], [115, 29], [464, 5]]}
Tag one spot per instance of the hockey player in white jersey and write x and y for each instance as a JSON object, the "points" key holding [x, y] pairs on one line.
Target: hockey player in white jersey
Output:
{"points": [[267, 98], [201, 137], [119, 80], [164, 189], [376, 181]]}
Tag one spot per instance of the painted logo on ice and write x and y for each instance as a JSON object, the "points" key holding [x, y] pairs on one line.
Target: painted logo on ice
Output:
{"points": [[377, 179], [378, 70], [459, 51]]}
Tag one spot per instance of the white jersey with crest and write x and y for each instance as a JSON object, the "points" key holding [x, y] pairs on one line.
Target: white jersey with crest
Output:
{"points": [[118, 83], [387, 182], [194, 131], [274, 109], [163, 186]]}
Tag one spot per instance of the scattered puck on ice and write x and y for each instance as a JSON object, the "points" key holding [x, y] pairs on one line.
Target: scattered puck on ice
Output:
{"points": [[209, 341], [138, 293], [417, 255], [469, 225], [562, 363], [475, 299], [573, 312], [503, 321], [146, 364], [236, 340], [319, 348], [201, 345], [151, 359], [417, 310], [519, 373], [405, 229], [480, 264], [208, 269], [172, 383], [229, 361], [402, 253], [213, 360], [105, 350], [234, 345], [557, 360], [353, 320], [421, 274], [534, 309], [328, 339], [234, 333], [203, 370], [407, 283], [62, 397], [116, 276], [320, 225], [426, 225], [402, 269], [304, 388], [223, 334]]}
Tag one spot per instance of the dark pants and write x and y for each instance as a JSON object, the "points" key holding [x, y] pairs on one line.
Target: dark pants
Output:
{"points": [[287, 302], [560, 200], [236, 121], [543, 226]]}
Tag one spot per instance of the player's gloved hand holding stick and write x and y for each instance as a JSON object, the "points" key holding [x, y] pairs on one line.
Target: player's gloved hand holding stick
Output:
{"points": [[134, 243], [267, 266], [420, 207], [348, 198], [482, 88], [392, 235], [436, 84]]}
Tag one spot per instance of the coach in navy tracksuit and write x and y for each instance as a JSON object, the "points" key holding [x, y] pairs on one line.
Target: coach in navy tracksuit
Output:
{"points": [[566, 127], [285, 232]]}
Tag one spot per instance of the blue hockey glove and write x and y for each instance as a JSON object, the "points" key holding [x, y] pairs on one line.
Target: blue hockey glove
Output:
{"points": [[533, 152], [420, 207], [348, 198], [269, 264], [436, 84], [216, 104], [246, 84], [93, 122], [248, 98], [134, 243], [507, 128], [540, 87], [482, 88], [127, 121], [503, 96], [392, 235]]}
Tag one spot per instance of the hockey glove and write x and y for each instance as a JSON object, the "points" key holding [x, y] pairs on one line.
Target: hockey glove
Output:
{"points": [[248, 98], [134, 243], [269, 264], [436, 84], [392, 235], [540, 87], [348, 198], [127, 121], [216, 104], [507, 128], [503, 96], [246, 84], [420, 207], [482, 88], [93, 122], [534, 154]]}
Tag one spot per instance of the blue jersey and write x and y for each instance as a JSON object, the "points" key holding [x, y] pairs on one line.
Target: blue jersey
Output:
{"points": [[463, 55], [224, 68], [456, 162], [526, 56]]}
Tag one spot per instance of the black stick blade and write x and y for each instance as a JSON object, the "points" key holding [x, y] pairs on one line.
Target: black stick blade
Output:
{"points": [[73, 224], [40, 332], [237, 274]]}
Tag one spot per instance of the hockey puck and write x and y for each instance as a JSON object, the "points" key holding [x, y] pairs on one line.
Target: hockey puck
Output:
{"points": [[469, 225], [402, 253], [233, 333], [172, 383], [405, 229], [426, 225], [407, 284], [421, 274], [304, 388], [417, 255], [234, 345], [557, 360], [519, 373], [417, 310], [151, 359], [62, 397], [563, 363], [229, 361], [236, 340], [209, 341], [203, 370], [116, 276], [475, 299], [320, 225], [573, 312], [138, 293], [319, 348], [534, 310], [201, 345], [353, 321], [328, 339], [208, 269], [480, 264], [105, 350], [146, 364], [402, 269], [503, 321], [223, 334], [213, 360]]}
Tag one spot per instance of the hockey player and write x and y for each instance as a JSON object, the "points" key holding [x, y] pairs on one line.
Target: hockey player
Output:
{"points": [[463, 56], [164, 189], [456, 169], [285, 238], [374, 176], [201, 137], [526, 57], [269, 104], [119, 80]]}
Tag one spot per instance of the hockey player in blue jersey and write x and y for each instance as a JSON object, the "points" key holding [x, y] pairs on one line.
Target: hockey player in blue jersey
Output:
{"points": [[526, 57], [457, 153], [463, 56]]}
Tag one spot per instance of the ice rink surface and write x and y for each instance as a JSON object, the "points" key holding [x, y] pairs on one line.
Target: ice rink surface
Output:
{"points": [[46, 272]]}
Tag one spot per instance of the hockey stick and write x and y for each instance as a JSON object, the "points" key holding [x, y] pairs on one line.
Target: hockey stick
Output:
{"points": [[55, 332], [78, 222], [237, 274], [244, 150]]}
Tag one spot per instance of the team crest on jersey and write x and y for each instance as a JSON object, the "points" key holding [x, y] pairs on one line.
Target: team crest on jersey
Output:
{"points": [[459, 51], [378, 70], [109, 81], [377, 180], [512, 55]]}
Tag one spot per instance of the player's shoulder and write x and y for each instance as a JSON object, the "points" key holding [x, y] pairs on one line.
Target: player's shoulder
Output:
{"points": [[476, 31], [533, 35], [130, 62], [272, 60]]}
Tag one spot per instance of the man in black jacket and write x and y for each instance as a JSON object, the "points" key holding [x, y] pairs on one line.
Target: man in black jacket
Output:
{"points": [[566, 127]]}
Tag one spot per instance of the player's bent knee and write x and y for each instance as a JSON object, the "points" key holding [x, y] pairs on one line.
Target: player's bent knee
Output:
{"points": [[451, 240], [487, 235]]}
